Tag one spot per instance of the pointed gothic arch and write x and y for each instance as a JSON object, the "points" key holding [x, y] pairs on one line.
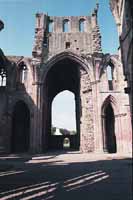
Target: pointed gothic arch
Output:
{"points": [[71, 56], [108, 125], [67, 71]]}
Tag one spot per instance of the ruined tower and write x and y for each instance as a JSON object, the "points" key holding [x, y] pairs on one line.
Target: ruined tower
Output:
{"points": [[67, 55]]}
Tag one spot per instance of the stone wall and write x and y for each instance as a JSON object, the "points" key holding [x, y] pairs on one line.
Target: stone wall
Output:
{"points": [[92, 95], [122, 12], [58, 39], [50, 42], [3, 119], [87, 112]]}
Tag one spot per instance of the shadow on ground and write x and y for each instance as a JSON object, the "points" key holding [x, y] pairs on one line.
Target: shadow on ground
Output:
{"points": [[48, 177]]}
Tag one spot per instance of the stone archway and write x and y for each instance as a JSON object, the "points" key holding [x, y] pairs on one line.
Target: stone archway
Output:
{"points": [[69, 74], [63, 121], [20, 128], [108, 128]]}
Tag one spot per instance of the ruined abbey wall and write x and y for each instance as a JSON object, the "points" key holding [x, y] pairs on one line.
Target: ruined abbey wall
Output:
{"points": [[65, 60]]}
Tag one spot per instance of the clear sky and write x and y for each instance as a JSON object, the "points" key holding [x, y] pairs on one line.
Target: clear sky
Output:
{"points": [[63, 110], [17, 38]]}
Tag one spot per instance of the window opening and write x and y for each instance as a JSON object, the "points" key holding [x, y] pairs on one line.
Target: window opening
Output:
{"points": [[66, 25], [50, 26], [3, 77], [66, 143], [82, 25], [67, 45], [23, 72], [110, 77]]}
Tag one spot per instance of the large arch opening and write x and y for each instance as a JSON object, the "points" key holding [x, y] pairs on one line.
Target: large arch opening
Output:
{"points": [[109, 130], [63, 120], [20, 128], [63, 75]]}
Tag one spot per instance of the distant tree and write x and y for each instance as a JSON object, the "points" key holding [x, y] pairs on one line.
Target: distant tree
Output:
{"points": [[64, 131]]}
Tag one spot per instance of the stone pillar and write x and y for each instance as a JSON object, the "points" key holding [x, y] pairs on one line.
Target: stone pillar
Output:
{"points": [[36, 117], [40, 47], [36, 134], [86, 120], [96, 36], [104, 134], [118, 133], [98, 137], [98, 118]]}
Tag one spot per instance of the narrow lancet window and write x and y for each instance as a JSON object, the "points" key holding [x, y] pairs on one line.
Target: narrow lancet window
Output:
{"points": [[23, 72], [66, 25], [50, 26], [3, 77], [81, 25], [110, 77]]}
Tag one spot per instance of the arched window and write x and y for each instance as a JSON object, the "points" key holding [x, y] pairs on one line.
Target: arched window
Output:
{"points": [[66, 25], [3, 77], [109, 71], [81, 25], [23, 71], [50, 26]]}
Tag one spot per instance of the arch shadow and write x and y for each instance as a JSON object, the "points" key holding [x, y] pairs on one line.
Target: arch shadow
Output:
{"points": [[20, 137]]}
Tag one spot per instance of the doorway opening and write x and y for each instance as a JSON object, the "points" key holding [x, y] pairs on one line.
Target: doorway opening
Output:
{"points": [[63, 120], [66, 143], [20, 128], [110, 138]]}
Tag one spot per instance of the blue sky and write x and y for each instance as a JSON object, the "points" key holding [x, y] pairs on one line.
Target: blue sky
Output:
{"points": [[19, 17], [17, 38]]}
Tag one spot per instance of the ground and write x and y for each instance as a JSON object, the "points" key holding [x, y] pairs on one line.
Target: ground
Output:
{"points": [[66, 175]]}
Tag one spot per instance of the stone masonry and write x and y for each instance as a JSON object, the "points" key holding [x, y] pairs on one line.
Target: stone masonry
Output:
{"points": [[67, 55], [123, 15]]}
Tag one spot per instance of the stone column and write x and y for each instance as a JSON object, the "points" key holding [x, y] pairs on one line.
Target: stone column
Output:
{"points": [[118, 133], [98, 135], [86, 120], [36, 134]]}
